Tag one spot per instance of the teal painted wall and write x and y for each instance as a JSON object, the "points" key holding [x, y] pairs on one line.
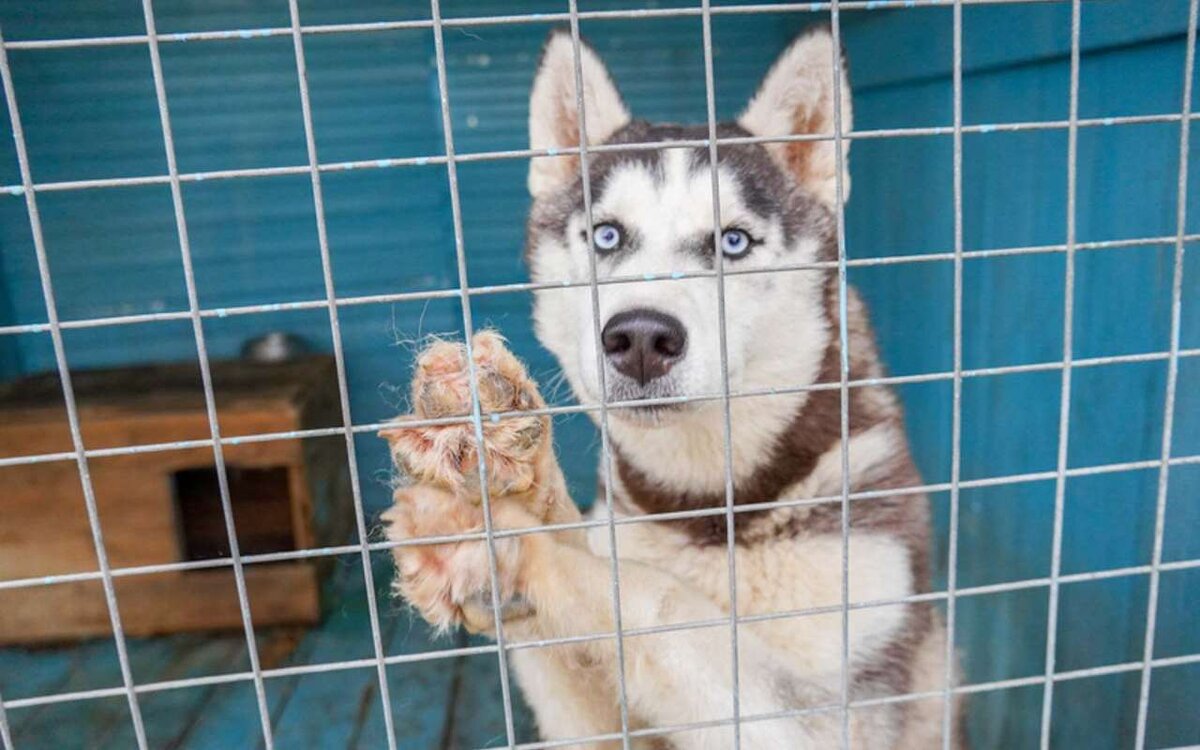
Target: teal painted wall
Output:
{"points": [[1014, 195], [91, 113], [10, 366]]}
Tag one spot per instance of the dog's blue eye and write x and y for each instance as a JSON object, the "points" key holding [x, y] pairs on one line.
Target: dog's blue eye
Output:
{"points": [[607, 237], [734, 243]]}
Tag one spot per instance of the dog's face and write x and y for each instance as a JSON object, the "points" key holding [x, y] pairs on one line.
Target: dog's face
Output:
{"points": [[651, 328]]}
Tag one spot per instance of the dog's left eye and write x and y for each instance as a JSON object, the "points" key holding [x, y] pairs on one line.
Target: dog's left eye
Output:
{"points": [[606, 237], [734, 243]]}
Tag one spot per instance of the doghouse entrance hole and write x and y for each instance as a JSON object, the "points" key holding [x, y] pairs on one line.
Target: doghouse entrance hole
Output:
{"points": [[261, 499]]}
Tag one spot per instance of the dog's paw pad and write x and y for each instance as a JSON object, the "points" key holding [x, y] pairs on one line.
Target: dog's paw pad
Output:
{"points": [[450, 582], [504, 385], [446, 455], [441, 384]]}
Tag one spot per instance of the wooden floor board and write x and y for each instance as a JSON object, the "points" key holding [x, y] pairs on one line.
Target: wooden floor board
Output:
{"points": [[338, 709]]}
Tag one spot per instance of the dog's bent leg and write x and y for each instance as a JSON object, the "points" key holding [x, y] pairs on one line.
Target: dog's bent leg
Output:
{"points": [[571, 696], [676, 677]]}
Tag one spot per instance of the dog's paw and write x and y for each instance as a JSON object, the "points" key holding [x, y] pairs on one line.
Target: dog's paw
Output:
{"points": [[447, 455], [450, 583]]}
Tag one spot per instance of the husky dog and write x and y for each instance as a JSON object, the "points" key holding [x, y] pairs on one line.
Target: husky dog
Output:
{"points": [[658, 340]]}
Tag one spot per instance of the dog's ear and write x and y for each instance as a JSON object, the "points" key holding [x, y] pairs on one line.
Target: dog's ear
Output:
{"points": [[797, 98], [554, 114]]}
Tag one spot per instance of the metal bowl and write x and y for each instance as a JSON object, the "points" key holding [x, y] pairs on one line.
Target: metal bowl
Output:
{"points": [[276, 346]]}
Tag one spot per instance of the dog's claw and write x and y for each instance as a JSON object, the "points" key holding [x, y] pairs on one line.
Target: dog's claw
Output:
{"points": [[479, 615]]}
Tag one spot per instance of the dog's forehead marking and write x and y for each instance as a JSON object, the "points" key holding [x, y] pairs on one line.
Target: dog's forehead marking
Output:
{"points": [[670, 198]]}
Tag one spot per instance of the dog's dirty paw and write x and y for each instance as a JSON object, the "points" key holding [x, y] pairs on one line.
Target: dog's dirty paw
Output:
{"points": [[447, 455], [449, 582]]}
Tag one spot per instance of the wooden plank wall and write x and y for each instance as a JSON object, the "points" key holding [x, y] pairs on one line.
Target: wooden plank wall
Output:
{"points": [[1015, 195]]}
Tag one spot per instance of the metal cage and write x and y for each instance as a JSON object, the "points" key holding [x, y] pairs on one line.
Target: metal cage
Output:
{"points": [[334, 306]]}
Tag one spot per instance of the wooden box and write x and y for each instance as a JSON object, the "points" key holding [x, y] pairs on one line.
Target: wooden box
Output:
{"points": [[163, 506]]}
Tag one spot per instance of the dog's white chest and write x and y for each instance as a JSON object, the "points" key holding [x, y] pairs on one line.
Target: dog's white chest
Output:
{"points": [[779, 579]]}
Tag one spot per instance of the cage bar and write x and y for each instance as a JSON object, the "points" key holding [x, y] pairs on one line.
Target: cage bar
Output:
{"points": [[843, 360], [605, 435], [1164, 471], [1064, 424], [60, 358], [460, 255], [499, 20], [949, 676], [1013, 479], [710, 97], [340, 364], [5, 733], [210, 401], [388, 163], [931, 257]]}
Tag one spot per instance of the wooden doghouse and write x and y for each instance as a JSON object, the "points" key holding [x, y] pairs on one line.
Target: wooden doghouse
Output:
{"points": [[163, 506]]}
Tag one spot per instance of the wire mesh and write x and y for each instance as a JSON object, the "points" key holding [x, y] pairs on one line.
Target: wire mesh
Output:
{"points": [[958, 257], [601, 375], [1164, 469], [1064, 424], [60, 357], [210, 401]]}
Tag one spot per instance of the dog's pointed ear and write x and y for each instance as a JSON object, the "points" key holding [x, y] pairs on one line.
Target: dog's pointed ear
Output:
{"points": [[554, 114], [797, 98]]}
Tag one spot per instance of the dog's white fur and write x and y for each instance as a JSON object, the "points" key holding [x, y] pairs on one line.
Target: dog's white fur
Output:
{"points": [[778, 330]]}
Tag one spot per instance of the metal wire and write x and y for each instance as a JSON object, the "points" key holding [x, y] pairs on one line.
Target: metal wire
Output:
{"points": [[421, 161], [888, 700], [585, 525], [931, 257], [581, 408], [675, 627], [949, 675], [839, 164], [723, 348], [411, 658], [210, 402], [340, 365], [1064, 413], [1164, 471], [500, 20], [174, 179], [68, 391], [5, 733], [460, 256], [601, 374]]}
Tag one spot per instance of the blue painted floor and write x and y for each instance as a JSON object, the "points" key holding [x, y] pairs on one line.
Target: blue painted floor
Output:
{"points": [[440, 703]]}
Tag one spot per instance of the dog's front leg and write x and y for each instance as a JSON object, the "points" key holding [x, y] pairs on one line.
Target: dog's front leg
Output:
{"points": [[679, 676], [572, 694]]}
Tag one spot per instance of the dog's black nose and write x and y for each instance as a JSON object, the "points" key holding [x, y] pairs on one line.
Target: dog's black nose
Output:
{"points": [[644, 344]]}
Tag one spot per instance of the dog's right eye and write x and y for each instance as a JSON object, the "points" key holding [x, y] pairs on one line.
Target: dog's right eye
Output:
{"points": [[606, 237]]}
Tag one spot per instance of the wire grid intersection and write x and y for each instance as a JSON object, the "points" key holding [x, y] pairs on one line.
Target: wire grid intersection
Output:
{"points": [[605, 435], [28, 189]]}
